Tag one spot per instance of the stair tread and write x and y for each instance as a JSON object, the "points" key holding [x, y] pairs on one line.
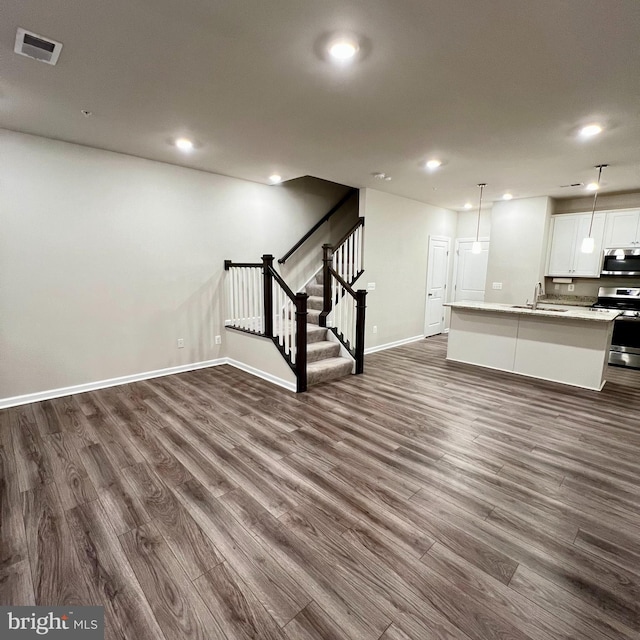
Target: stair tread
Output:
{"points": [[321, 344]]}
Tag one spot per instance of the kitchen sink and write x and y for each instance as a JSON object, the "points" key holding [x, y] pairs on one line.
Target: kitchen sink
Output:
{"points": [[528, 306]]}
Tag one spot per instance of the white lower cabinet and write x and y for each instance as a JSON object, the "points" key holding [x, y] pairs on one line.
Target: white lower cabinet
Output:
{"points": [[565, 255]]}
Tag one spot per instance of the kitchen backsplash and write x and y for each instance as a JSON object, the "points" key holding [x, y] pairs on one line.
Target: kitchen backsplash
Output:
{"points": [[589, 286]]}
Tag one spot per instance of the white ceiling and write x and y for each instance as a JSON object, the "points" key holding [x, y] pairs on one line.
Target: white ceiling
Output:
{"points": [[496, 88]]}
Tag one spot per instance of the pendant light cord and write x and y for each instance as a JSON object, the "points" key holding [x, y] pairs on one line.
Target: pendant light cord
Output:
{"points": [[600, 167], [482, 185]]}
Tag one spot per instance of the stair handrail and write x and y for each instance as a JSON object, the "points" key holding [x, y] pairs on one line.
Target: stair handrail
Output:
{"points": [[318, 224], [347, 235], [299, 300]]}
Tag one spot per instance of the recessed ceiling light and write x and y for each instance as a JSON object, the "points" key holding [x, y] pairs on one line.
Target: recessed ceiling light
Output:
{"points": [[433, 164], [590, 130], [507, 196], [343, 49], [468, 205], [592, 186], [184, 144], [275, 178]]}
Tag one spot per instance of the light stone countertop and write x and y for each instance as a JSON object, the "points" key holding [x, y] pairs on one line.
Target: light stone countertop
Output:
{"points": [[543, 310]]}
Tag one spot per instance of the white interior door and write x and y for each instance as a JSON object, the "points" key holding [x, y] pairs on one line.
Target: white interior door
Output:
{"points": [[470, 271], [437, 268]]}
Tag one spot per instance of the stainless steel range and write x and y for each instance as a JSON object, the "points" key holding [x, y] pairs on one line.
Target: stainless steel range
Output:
{"points": [[625, 344]]}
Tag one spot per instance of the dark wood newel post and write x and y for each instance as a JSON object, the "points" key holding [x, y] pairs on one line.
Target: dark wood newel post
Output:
{"points": [[267, 281], [301, 341], [327, 257], [361, 305]]}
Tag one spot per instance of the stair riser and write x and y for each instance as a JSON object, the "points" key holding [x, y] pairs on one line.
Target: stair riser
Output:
{"points": [[327, 375], [317, 335], [331, 350], [315, 290], [314, 302]]}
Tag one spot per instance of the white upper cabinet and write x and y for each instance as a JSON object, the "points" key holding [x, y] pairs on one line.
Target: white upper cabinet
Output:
{"points": [[623, 229], [565, 256]]}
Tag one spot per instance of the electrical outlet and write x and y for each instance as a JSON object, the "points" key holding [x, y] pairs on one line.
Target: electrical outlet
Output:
{"points": [[371, 286], [375, 328], [218, 339], [497, 285], [571, 287], [180, 343]]}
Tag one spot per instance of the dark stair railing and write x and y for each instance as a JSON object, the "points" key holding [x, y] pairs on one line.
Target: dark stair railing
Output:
{"points": [[343, 309], [318, 224], [261, 303]]}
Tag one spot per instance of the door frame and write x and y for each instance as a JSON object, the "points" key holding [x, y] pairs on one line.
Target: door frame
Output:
{"points": [[456, 259], [446, 239]]}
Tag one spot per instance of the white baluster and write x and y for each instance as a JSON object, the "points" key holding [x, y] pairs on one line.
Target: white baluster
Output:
{"points": [[353, 317], [258, 295], [277, 310], [234, 312], [259, 306], [355, 253], [274, 311], [252, 302], [232, 294], [241, 298], [287, 346], [245, 298], [294, 326], [283, 318]]}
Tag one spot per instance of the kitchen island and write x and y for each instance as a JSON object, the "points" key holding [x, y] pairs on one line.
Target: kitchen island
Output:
{"points": [[560, 344]]}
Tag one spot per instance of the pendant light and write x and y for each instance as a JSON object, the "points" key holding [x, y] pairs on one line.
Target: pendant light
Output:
{"points": [[589, 243], [476, 247]]}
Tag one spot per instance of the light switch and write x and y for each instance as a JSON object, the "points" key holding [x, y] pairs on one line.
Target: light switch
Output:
{"points": [[497, 285]]}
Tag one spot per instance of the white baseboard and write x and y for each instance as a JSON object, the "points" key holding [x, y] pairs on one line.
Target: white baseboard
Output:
{"points": [[290, 386], [28, 398], [390, 345]]}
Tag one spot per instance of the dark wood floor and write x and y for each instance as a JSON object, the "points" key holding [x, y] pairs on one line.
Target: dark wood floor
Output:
{"points": [[422, 500]]}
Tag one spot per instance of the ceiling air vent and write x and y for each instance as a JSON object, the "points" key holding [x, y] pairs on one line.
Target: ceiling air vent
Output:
{"points": [[37, 47]]}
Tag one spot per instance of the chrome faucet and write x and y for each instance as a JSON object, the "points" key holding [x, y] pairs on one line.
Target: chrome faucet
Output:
{"points": [[537, 292]]}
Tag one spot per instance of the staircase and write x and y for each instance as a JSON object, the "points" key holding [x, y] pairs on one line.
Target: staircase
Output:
{"points": [[324, 362], [300, 324]]}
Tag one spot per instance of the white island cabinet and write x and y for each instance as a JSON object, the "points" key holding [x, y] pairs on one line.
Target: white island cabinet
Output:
{"points": [[567, 346]]}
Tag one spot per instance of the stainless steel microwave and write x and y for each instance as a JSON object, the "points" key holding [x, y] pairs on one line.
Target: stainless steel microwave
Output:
{"points": [[621, 262]]}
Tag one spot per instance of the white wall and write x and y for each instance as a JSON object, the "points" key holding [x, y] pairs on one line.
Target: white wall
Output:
{"points": [[397, 234], [106, 259], [468, 223], [517, 254], [606, 201]]}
